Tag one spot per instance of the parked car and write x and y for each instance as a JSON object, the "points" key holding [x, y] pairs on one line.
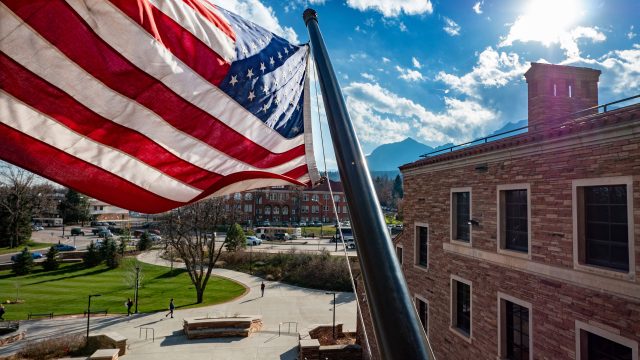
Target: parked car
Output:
{"points": [[34, 255], [95, 231], [76, 232], [295, 224], [252, 241], [64, 247], [317, 223], [37, 228], [111, 223], [282, 236], [155, 238], [303, 224], [105, 233]]}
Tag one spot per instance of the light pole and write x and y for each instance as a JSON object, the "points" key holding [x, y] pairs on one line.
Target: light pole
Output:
{"points": [[251, 258], [137, 284], [334, 313], [89, 314]]}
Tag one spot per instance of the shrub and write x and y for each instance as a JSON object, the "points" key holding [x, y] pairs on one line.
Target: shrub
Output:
{"points": [[235, 238], [23, 263], [92, 256], [122, 246], [54, 348], [109, 253], [145, 242], [51, 263]]}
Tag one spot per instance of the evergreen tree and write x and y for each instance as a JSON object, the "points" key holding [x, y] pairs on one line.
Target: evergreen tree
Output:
{"points": [[235, 238], [122, 246], [23, 263], [92, 256], [74, 208], [51, 263], [145, 242], [398, 192], [109, 251]]}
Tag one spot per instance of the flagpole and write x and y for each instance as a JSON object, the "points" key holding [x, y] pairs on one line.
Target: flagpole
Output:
{"points": [[398, 330]]}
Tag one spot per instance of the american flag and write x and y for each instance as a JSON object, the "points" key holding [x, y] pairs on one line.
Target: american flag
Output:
{"points": [[151, 104]]}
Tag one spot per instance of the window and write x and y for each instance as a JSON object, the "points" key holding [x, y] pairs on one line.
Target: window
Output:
{"points": [[423, 313], [305, 209], [399, 254], [305, 197], [514, 328], [345, 209], [325, 196], [315, 197], [603, 224], [422, 246], [325, 208], [259, 200], [285, 210], [461, 306], [461, 214], [248, 196], [595, 343], [276, 210], [267, 210], [514, 219], [315, 209], [248, 208], [237, 196], [336, 198]]}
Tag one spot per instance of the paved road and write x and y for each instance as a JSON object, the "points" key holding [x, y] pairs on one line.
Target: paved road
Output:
{"points": [[281, 303]]}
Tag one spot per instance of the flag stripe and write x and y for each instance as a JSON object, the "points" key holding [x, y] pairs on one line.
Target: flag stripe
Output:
{"points": [[47, 62], [54, 103], [23, 118], [99, 59], [178, 40], [211, 14], [126, 40], [210, 29], [78, 174]]}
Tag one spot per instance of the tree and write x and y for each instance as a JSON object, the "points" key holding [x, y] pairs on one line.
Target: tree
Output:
{"points": [[51, 262], [398, 192], [109, 253], [235, 238], [23, 263], [145, 242], [16, 202], [190, 230], [74, 208], [92, 257]]}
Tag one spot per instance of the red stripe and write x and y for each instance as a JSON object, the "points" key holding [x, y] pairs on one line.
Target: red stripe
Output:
{"points": [[184, 45], [61, 26], [213, 17], [70, 171], [51, 101]]}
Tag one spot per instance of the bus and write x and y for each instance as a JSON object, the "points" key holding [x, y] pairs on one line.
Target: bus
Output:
{"points": [[47, 222], [285, 233]]}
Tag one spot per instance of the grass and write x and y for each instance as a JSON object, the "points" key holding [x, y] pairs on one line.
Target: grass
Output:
{"points": [[32, 245], [327, 230], [65, 291]]}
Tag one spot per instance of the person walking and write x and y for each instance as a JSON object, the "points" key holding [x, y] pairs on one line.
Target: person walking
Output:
{"points": [[171, 307], [129, 304], [262, 286], [2, 312]]}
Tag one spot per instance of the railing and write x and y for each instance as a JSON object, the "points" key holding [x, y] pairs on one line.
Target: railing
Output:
{"points": [[485, 140], [146, 333], [289, 323]]}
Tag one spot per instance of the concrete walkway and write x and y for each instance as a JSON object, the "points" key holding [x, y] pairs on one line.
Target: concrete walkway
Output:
{"points": [[281, 303]]}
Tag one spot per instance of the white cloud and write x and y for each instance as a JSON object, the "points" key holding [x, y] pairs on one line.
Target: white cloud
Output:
{"points": [[493, 69], [631, 34], [416, 63], [402, 27], [620, 69], [451, 27], [409, 74], [392, 8], [385, 60], [368, 76], [381, 116], [476, 7], [259, 14]]}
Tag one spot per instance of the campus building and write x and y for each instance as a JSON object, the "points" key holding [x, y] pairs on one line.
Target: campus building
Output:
{"points": [[528, 247], [289, 204]]}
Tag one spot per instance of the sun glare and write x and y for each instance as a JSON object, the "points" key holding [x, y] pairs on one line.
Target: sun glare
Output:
{"points": [[546, 20]]}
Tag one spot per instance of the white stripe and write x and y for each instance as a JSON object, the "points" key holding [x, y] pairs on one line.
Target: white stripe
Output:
{"points": [[139, 47], [245, 185], [192, 21], [27, 48], [22, 118]]}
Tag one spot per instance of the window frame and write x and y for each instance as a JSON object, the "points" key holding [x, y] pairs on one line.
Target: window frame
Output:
{"points": [[452, 307], [417, 297], [579, 242], [416, 247], [501, 223], [602, 331], [453, 216], [401, 257], [502, 311]]}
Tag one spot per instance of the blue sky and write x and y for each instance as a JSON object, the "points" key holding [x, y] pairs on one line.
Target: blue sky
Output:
{"points": [[452, 71]]}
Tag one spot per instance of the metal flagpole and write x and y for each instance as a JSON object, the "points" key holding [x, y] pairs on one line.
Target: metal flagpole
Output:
{"points": [[398, 330]]}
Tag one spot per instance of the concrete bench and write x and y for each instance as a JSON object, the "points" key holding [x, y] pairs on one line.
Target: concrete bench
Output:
{"points": [[105, 354], [110, 339], [40, 315]]}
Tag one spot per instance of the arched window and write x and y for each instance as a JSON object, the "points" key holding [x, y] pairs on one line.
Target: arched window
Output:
{"points": [[285, 210], [267, 210], [248, 196], [276, 210]]}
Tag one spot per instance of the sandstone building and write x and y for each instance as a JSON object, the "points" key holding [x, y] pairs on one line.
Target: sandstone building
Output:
{"points": [[528, 247]]}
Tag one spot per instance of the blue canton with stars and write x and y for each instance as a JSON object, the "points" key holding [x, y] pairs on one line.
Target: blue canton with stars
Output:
{"points": [[267, 77]]}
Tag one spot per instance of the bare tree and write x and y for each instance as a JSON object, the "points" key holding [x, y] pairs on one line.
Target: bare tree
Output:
{"points": [[16, 202], [190, 231]]}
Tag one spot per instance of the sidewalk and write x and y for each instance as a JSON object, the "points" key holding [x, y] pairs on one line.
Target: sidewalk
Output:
{"points": [[281, 303]]}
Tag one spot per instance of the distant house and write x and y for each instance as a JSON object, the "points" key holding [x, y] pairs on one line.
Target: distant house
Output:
{"points": [[101, 211]]}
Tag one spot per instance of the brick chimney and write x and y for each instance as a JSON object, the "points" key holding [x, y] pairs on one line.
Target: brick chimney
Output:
{"points": [[556, 90]]}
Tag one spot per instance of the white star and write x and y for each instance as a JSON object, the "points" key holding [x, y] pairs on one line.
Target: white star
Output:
{"points": [[266, 107], [297, 106], [233, 80], [277, 101], [279, 55], [250, 73], [244, 51], [254, 46], [295, 129], [286, 51], [262, 67], [265, 88], [271, 61], [251, 96]]}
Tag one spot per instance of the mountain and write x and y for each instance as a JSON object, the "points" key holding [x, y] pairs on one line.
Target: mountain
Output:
{"points": [[388, 157]]}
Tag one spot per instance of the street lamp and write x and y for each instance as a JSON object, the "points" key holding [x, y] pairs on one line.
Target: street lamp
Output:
{"points": [[137, 284], [89, 314], [334, 313]]}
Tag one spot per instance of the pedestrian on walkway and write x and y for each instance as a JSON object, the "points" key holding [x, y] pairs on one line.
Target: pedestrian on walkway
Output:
{"points": [[129, 304], [171, 307], [1, 312], [262, 288]]}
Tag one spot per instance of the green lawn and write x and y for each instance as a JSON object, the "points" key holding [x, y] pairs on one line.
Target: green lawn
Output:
{"points": [[327, 230], [32, 245], [65, 290]]}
